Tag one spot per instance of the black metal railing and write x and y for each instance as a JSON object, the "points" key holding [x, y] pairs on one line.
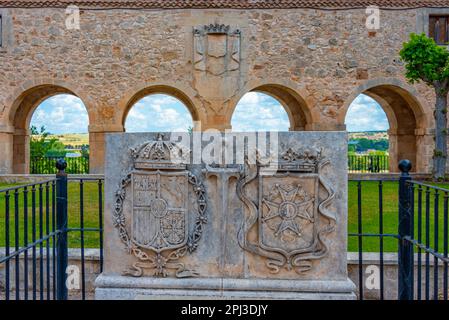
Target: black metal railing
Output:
{"points": [[368, 163], [425, 233], [46, 165], [373, 229], [411, 226], [38, 224]]}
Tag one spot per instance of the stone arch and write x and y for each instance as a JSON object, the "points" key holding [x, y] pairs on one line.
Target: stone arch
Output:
{"points": [[405, 114], [293, 101], [20, 114], [130, 99]]}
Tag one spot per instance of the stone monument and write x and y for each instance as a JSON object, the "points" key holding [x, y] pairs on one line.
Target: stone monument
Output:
{"points": [[272, 226]]}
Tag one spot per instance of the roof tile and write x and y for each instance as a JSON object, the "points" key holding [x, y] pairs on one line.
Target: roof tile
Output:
{"points": [[235, 4]]}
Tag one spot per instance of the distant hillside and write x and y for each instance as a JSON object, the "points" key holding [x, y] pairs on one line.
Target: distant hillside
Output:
{"points": [[74, 139], [362, 142], [370, 135]]}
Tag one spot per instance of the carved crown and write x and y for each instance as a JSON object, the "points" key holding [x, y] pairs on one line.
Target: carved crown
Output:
{"points": [[216, 28], [303, 160], [159, 154]]}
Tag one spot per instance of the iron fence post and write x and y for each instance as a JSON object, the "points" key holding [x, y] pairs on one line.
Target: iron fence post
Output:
{"points": [[61, 224], [405, 253]]}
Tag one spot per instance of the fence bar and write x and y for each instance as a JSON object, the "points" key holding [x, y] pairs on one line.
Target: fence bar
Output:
{"points": [[405, 253], [427, 233], [445, 234], [7, 264], [25, 242], [100, 220], [368, 163], [33, 238], [435, 244], [16, 242], [46, 165], [53, 229], [360, 237], [41, 245], [381, 240], [83, 276], [61, 222], [47, 232], [419, 280]]}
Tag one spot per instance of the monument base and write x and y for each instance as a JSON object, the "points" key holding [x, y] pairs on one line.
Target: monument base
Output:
{"points": [[129, 288]]}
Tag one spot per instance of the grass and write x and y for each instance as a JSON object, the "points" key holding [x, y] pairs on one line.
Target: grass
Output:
{"points": [[90, 214], [370, 215]]}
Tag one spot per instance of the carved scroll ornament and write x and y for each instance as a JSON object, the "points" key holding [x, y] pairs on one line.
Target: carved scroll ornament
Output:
{"points": [[290, 217]]}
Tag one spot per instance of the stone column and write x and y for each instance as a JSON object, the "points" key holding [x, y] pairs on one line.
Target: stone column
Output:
{"points": [[424, 150], [217, 122], [393, 150], [96, 146], [6, 145], [21, 151]]}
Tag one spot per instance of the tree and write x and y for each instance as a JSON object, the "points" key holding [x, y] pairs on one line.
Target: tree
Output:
{"points": [[43, 146], [426, 61]]}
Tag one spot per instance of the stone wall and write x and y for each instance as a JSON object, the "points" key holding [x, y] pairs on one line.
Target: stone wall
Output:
{"points": [[315, 62]]}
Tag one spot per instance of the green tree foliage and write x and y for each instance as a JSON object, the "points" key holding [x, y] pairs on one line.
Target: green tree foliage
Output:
{"points": [[43, 146], [363, 144], [428, 62], [85, 151]]}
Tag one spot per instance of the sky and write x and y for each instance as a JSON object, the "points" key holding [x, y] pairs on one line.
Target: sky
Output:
{"points": [[255, 112], [365, 114]]}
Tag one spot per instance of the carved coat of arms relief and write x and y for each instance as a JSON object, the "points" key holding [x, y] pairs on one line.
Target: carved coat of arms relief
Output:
{"points": [[160, 230], [216, 64], [291, 215], [216, 49]]}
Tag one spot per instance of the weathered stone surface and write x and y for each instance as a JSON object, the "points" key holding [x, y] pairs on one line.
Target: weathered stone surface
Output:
{"points": [[293, 242], [300, 56]]}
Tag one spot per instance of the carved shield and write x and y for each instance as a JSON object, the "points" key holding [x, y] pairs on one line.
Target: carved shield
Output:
{"points": [[160, 206], [288, 212], [216, 51]]}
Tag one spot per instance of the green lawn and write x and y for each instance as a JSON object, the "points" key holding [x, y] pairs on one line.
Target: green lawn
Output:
{"points": [[91, 214], [370, 214]]}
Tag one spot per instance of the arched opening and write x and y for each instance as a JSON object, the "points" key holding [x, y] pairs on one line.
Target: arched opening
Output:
{"points": [[158, 113], [368, 144], [259, 112], [274, 107], [61, 112], [406, 120], [149, 105]]}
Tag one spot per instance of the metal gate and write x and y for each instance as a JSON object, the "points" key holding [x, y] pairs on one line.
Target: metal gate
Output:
{"points": [[421, 236], [37, 221], [37, 230]]}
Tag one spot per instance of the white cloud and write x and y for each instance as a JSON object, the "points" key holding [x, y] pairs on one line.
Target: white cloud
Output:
{"points": [[158, 113], [365, 114], [255, 112], [61, 114], [259, 112]]}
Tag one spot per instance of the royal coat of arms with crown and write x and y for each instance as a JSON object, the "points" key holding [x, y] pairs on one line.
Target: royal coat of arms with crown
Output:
{"points": [[160, 232]]}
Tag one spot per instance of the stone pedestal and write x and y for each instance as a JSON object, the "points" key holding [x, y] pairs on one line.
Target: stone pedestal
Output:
{"points": [[274, 227], [120, 287]]}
